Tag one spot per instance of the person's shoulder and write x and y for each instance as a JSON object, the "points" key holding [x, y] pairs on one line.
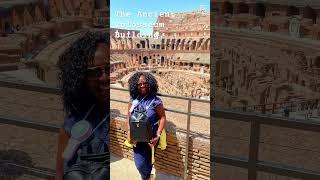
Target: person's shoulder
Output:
{"points": [[157, 100]]}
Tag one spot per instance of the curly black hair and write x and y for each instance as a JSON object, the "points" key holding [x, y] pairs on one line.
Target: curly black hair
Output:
{"points": [[133, 84], [74, 63]]}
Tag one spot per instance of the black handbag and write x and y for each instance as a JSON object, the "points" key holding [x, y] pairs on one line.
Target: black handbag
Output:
{"points": [[93, 167], [140, 127]]}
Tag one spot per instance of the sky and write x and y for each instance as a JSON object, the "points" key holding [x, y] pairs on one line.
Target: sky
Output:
{"points": [[118, 20]]}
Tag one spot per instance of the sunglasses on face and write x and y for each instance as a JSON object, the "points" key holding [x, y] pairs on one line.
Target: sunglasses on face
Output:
{"points": [[97, 71], [144, 83]]}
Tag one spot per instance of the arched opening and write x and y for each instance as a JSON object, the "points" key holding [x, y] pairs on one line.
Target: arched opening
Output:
{"points": [[162, 60], [193, 45], [145, 60], [243, 8], [97, 4], [172, 44], [138, 46], [310, 13], [227, 8], [177, 44], [7, 27], [317, 62], [260, 10], [187, 46], [162, 44], [147, 45], [292, 10], [158, 46], [143, 44]]}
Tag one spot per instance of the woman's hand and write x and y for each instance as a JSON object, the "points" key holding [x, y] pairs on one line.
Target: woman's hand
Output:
{"points": [[154, 141]]}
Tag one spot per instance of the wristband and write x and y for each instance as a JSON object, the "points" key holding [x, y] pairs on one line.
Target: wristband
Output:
{"points": [[158, 134]]}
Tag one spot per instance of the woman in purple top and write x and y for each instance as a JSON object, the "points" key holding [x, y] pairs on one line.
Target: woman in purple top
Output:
{"points": [[143, 89]]}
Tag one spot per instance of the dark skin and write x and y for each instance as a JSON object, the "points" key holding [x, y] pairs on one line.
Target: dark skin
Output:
{"points": [[99, 87], [143, 89]]}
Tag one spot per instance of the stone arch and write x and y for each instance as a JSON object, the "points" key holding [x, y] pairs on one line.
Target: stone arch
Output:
{"points": [[98, 4], [145, 60], [182, 44], [138, 46], [7, 27], [167, 44], [199, 43], [177, 44], [205, 44], [158, 46], [260, 10], [227, 8], [243, 8], [187, 45], [162, 60], [172, 44], [193, 45], [316, 62], [163, 44], [292, 10], [147, 44], [143, 44], [310, 13]]}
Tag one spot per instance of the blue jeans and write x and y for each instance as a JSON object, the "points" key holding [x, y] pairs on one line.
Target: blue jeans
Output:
{"points": [[142, 159]]}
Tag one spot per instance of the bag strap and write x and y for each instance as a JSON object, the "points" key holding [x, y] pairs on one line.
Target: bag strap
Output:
{"points": [[100, 123], [136, 105]]}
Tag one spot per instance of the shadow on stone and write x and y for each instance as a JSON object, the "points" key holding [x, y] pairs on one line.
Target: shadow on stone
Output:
{"points": [[170, 157], [10, 157]]}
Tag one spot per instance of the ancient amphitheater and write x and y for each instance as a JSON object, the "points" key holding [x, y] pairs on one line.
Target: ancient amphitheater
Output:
{"points": [[180, 60], [266, 60], [267, 55]]}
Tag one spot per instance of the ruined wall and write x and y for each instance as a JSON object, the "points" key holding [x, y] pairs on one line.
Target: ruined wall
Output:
{"points": [[286, 69], [184, 24]]}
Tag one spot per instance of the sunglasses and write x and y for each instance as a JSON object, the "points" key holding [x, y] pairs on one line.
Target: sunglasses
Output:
{"points": [[97, 71], [144, 83]]}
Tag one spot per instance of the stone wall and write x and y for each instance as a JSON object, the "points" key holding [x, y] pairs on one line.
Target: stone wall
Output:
{"points": [[170, 160]]}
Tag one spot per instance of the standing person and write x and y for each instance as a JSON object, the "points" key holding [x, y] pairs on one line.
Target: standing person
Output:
{"points": [[83, 149], [143, 89]]}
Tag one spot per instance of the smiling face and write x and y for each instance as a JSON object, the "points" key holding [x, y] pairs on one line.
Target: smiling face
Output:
{"points": [[143, 86], [97, 77]]}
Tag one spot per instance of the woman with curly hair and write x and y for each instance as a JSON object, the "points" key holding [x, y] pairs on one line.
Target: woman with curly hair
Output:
{"points": [[83, 151], [143, 89]]}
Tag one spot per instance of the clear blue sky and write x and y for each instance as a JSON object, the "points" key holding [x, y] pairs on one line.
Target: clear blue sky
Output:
{"points": [[133, 6]]}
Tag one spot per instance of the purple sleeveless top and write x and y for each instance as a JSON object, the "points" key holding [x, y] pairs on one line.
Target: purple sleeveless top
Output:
{"points": [[152, 102]]}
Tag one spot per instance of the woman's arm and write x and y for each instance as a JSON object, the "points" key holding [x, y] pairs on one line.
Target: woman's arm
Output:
{"points": [[161, 113], [62, 143]]}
